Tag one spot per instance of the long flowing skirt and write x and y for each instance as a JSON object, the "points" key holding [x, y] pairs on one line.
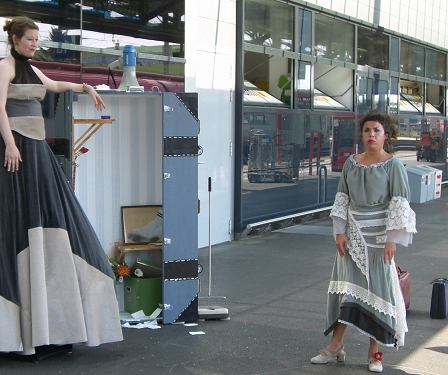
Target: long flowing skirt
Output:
{"points": [[364, 292], [56, 285]]}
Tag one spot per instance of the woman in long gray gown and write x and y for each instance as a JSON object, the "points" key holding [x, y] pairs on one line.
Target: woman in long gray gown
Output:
{"points": [[56, 285]]}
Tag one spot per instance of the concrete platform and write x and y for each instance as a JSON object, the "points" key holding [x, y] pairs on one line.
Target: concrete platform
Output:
{"points": [[275, 285]]}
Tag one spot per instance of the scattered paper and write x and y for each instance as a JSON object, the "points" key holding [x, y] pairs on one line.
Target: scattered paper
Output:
{"points": [[197, 333], [150, 324], [190, 324], [155, 314], [138, 315]]}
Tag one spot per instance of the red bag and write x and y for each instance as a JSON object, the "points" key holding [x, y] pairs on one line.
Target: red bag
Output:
{"points": [[405, 284]]}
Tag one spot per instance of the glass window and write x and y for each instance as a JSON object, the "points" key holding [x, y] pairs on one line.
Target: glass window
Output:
{"points": [[411, 100], [303, 92], [333, 39], [394, 54], [304, 31], [435, 65], [336, 82], [435, 98], [373, 48], [269, 23], [394, 97], [267, 80], [379, 95], [282, 150], [364, 94], [409, 127], [412, 59]]}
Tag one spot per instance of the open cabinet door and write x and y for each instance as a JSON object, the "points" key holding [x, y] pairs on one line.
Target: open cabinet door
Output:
{"points": [[180, 207], [63, 138]]}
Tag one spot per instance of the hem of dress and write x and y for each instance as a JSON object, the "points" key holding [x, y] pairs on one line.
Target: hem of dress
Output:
{"points": [[367, 334]]}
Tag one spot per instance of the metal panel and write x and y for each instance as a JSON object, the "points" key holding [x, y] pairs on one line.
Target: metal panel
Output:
{"points": [[63, 141], [180, 207]]}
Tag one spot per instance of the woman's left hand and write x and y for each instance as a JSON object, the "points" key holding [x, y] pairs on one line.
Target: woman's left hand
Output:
{"points": [[389, 251], [97, 100]]}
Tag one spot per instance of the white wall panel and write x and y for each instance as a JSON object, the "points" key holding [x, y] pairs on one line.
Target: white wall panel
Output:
{"points": [[209, 71], [385, 19], [338, 6], [123, 166], [322, 3], [352, 11], [412, 29], [363, 2], [365, 12], [413, 16]]}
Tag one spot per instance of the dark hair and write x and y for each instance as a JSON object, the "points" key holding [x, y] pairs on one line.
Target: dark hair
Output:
{"points": [[18, 27], [389, 126]]}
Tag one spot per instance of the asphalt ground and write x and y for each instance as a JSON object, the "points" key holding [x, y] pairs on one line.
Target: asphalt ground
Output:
{"points": [[273, 286]]}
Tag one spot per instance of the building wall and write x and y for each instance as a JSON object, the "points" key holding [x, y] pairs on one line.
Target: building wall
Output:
{"points": [[209, 71], [423, 20], [210, 55]]}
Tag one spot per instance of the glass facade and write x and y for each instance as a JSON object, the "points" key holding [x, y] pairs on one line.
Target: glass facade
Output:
{"points": [[334, 39], [293, 154], [373, 48], [269, 24], [435, 65], [412, 59]]}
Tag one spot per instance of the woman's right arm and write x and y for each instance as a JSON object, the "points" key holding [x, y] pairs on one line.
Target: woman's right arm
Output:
{"points": [[12, 154]]}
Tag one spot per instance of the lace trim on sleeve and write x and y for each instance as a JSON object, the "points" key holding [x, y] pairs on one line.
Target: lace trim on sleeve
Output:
{"points": [[340, 205], [400, 216]]}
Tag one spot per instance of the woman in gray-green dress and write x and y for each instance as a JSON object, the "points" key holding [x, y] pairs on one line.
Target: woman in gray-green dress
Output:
{"points": [[371, 214]]}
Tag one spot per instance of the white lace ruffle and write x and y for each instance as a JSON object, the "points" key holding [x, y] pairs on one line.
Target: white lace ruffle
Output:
{"points": [[365, 333], [357, 247], [371, 222], [371, 166], [400, 216], [401, 327], [340, 205], [369, 298]]}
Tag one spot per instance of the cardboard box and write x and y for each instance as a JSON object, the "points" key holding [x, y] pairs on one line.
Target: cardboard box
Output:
{"points": [[142, 294]]}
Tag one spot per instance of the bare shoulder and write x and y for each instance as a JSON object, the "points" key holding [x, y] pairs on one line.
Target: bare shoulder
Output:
{"points": [[359, 158], [7, 68]]}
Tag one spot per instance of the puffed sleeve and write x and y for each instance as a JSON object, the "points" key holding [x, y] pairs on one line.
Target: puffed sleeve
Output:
{"points": [[400, 223], [339, 211]]}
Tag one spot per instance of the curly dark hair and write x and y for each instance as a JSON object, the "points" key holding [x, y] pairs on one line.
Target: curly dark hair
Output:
{"points": [[389, 126], [18, 26]]}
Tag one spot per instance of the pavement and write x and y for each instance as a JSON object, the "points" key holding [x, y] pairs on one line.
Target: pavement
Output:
{"points": [[275, 286]]}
